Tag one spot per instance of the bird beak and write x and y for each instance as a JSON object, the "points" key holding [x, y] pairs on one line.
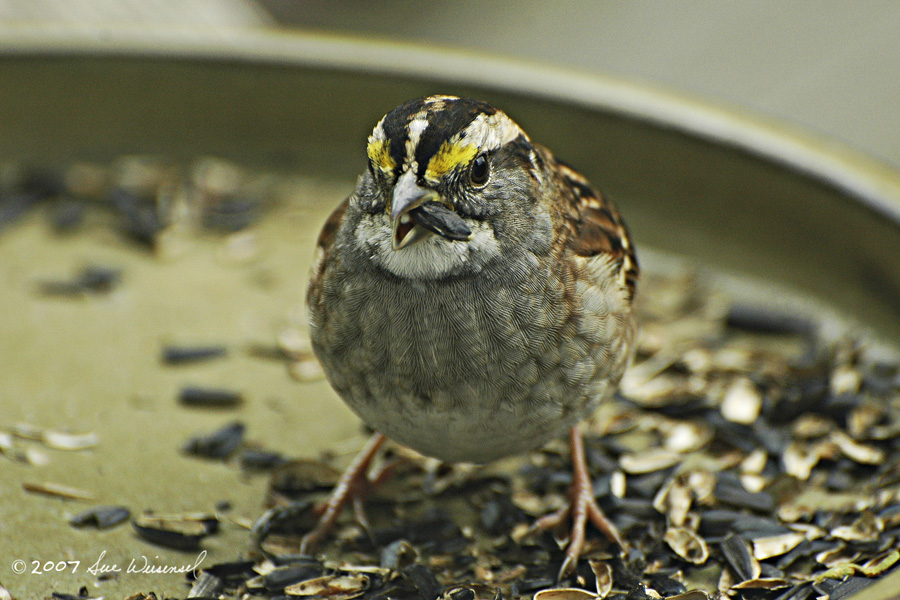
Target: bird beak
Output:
{"points": [[408, 195], [416, 213]]}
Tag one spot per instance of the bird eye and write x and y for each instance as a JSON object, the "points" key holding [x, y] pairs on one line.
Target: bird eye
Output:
{"points": [[480, 170]]}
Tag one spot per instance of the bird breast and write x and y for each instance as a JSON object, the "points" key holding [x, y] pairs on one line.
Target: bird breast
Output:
{"points": [[469, 368]]}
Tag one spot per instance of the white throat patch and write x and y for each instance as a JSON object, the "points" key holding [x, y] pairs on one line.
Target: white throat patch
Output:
{"points": [[431, 258]]}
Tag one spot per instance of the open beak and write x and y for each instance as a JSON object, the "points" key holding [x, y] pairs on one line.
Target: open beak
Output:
{"points": [[417, 212]]}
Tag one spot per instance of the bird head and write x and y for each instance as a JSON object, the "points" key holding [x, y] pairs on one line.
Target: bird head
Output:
{"points": [[451, 174]]}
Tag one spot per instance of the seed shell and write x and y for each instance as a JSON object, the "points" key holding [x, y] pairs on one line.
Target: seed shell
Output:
{"points": [[180, 532], [58, 490], [221, 443], [334, 587], [202, 397], [565, 594], [101, 517], [687, 544]]}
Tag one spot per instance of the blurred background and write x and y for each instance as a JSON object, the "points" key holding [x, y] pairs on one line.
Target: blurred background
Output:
{"points": [[830, 67]]}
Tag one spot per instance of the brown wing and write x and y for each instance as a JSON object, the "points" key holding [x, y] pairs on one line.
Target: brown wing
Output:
{"points": [[323, 245], [332, 223], [595, 226]]}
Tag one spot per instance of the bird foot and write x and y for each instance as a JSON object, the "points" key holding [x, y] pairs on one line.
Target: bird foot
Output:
{"points": [[582, 507], [351, 487]]}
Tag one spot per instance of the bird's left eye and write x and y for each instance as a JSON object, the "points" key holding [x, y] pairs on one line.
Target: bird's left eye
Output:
{"points": [[480, 170]]}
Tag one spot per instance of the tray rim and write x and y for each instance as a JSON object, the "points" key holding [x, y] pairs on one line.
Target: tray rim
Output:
{"points": [[875, 184]]}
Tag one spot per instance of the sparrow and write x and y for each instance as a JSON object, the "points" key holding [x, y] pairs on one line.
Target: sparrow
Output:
{"points": [[472, 299]]}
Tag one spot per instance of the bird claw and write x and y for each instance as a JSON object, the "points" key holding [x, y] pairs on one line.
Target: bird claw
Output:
{"points": [[350, 488], [582, 507]]}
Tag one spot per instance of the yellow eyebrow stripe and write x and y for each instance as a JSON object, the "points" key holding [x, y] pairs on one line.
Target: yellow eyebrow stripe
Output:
{"points": [[379, 152], [448, 157]]}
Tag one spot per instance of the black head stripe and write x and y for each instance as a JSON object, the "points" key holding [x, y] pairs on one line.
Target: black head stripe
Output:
{"points": [[446, 117], [396, 127], [446, 122]]}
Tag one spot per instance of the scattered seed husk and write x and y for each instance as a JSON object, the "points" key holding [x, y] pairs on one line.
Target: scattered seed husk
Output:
{"points": [[890, 516], [863, 419], [776, 545], [618, 484], [235, 570], [755, 462], [35, 456], [207, 585], [295, 343], [753, 483], [98, 279], [142, 596], [767, 320], [202, 397], [423, 579], [307, 371], [63, 440], [674, 499], [753, 526], [691, 595], [683, 437], [565, 594], [334, 587], [648, 461], [872, 568], [181, 355], [687, 544], [652, 393], [303, 569], [845, 379], [603, 575], [9, 449], [880, 564], [866, 528], [81, 595], [261, 460], [92, 279], [861, 453], [101, 517], [849, 587], [266, 351], [27, 431], [289, 519], [799, 459], [810, 426], [737, 554], [837, 555], [219, 444], [742, 402], [730, 490], [474, 591], [399, 555], [181, 532], [762, 583], [58, 490]]}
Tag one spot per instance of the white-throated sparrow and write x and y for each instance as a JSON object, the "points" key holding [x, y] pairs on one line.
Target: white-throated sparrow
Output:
{"points": [[472, 298]]}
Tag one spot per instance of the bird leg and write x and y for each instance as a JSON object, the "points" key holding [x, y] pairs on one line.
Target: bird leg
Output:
{"points": [[350, 487], [582, 507]]}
